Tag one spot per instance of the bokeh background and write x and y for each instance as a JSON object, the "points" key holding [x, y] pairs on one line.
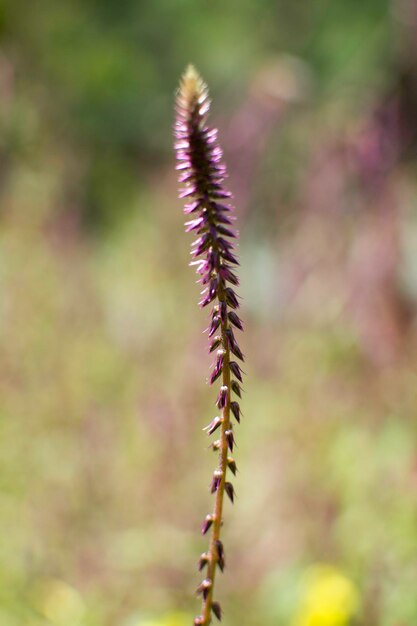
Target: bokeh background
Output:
{"points": [[104, 467]]}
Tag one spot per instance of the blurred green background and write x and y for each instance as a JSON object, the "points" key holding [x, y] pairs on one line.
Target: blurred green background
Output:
{"points": [[103, 464]]}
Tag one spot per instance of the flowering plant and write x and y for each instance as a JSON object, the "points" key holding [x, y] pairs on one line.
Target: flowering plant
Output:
{"points": [[202, 173]]}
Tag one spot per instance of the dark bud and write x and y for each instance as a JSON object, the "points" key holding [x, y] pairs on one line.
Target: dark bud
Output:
{"points": [[231, 463], [228, 256], [230, 439], [222, 397], [222, 219], [235, 408], [224, 231], [214, 424], [215, 323], [221, 207], [209, 519], [223, 311], [215, 607], [203, 560], [204, 587], [218, 367], [228, 275], [228, 487], [231, 298], [230, 336], [236, 388], [223, 244], [214, 283], [216, 445], [233, 344], [236, 370], [220, 554], [237, 351], [215, 343], [213, 258], [207, 299], [215, 483], [235, 320]]}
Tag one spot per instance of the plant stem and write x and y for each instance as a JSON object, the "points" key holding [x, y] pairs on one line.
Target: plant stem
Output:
{"points": [[218, 504]]}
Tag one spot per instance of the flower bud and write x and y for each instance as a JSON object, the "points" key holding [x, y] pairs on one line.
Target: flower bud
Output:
{"points": [[203, 560], [222, 397], [220, 554], [234, 367], [230, 439], [235, 320], [235, 408], [204, 587], [208, 520], [215, 607], [236, 388], [216, 480], [231, 464], [214, 424], [229, 489]]}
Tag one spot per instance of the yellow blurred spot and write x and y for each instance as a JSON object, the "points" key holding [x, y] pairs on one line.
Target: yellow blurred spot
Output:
{"points": [[177, 619], [60, 603], [169, 619], [330, 598]]}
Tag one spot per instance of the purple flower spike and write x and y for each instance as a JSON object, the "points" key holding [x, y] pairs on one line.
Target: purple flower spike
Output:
{"points": [[201, 174]]}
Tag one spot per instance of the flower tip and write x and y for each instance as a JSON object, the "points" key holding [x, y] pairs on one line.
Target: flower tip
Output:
{"points": [[192, 85], [190, 73]]}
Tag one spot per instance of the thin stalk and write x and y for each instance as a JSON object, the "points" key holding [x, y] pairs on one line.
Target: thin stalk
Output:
{"points": [[218, 503]]}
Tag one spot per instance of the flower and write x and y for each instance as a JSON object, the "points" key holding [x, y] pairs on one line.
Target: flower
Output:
{"points": [[210, 217], [329, 598]]}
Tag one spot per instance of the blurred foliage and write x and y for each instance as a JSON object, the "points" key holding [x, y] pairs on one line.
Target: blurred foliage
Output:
{"points": [[102, 475], [101, 75]]}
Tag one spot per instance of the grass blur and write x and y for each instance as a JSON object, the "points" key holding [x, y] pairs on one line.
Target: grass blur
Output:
{"points": [[104, 466]]}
